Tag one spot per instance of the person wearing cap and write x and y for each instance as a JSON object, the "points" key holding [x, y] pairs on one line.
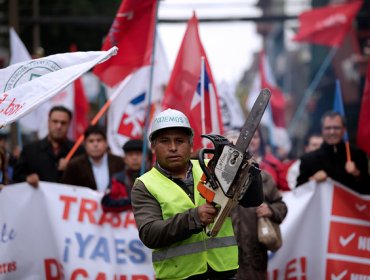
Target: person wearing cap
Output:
{"points": [[171, 215], [95, 168], [117, 197]]}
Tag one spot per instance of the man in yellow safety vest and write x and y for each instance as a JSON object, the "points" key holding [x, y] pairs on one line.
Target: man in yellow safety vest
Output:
{"points": [[171, 214]]}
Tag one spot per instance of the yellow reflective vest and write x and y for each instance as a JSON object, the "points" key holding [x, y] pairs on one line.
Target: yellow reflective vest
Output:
{"points": [[191, 256]]}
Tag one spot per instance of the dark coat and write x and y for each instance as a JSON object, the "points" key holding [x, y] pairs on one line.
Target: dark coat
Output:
{"points": [[332, 159], [79, 171], [253, 254], [38, 157]]}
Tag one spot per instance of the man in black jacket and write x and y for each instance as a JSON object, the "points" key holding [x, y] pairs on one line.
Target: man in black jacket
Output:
{"points": [[330, 160], [45, 159], [95, 168]]}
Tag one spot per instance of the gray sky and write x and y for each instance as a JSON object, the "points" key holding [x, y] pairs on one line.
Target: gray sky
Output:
{"points": [[229, 46]]}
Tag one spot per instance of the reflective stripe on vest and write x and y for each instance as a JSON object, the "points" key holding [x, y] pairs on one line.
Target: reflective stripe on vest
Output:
{"points": [[195, 254], [193, 248]]}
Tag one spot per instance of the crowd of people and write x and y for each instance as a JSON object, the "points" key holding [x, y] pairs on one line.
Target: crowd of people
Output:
{"points": [[170, 213]]}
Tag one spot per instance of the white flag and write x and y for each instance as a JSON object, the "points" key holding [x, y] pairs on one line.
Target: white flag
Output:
{"points": [[37, 120], [18, 50], [232, 113], [126, 115], [28, 84]]}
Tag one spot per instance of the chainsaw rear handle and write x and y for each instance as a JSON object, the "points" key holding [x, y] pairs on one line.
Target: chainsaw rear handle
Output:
{"points": [[204, 167]]}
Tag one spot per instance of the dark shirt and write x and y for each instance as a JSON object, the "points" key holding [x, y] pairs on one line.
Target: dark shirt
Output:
{"points": [[38, 157], [332, 160]]}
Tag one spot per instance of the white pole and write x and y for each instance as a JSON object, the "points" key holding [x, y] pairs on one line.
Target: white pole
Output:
{"points": [[202, 84]]}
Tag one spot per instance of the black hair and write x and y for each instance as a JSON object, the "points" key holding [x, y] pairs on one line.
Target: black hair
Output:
{"points": [[332, 114], [60, 108], [95, 129]]}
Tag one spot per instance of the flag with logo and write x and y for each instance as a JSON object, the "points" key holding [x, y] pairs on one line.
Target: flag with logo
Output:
{"points": [[133, 32], [127, 114], [274, 116], [327, 25], [27, 85], [184, 88], [72, 97], [363, 130]]}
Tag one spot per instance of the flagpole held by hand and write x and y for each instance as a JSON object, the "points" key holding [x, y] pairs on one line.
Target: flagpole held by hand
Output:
{"points": [[101, 112]]}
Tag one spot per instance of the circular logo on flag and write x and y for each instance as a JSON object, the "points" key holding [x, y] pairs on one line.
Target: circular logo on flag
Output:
{"points": [[30, 71]]}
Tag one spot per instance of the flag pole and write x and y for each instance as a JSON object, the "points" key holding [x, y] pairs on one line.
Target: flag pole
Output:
{"points": [[310, 90], [202, 84], [339, 107], [148, 109], [101, 112]]}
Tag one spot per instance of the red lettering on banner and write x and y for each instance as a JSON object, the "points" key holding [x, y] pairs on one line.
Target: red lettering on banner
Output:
{"points": [[101, 276], [67, 205], [336, 269], [79, 272], [347, 204], [349, 239], [114, 219], [88, 207], [296, 269], [12, 108], [8, 267], [53, 269], [274, 276], [140, 277]]}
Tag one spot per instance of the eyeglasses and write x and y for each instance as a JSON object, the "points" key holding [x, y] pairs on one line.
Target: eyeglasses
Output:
{"points": [[332, 128]]}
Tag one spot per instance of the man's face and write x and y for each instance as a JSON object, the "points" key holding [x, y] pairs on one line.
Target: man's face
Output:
{"points": [[58, 125], [333, 130], [133, 159], [172, 148], [95, 146]]}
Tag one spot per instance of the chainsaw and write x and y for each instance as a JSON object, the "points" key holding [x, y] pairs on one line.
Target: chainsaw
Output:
{"points": [[229, 173]]}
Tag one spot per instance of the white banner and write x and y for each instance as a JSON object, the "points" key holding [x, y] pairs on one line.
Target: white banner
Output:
{"points": [[326, 235], [28, 84], [60, 232]]}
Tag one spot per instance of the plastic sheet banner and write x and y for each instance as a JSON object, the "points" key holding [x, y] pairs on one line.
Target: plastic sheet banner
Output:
{"points": [[326, 235], [60, 232]]}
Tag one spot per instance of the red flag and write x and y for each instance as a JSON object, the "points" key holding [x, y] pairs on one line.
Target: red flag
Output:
{"points": [[363, 131], [81, 106], [183, 91], [328, 25], [277, 97], [132, 32]]}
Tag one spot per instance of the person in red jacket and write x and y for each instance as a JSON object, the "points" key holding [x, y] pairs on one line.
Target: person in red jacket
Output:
{"points": [[267, 161], [117, 197]]}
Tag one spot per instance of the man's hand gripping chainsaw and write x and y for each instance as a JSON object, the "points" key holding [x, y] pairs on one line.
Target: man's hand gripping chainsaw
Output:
{"points": [[228, 174]]}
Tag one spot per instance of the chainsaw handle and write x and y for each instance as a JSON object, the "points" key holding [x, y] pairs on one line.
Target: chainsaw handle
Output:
{"points": [[204, 167]]}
